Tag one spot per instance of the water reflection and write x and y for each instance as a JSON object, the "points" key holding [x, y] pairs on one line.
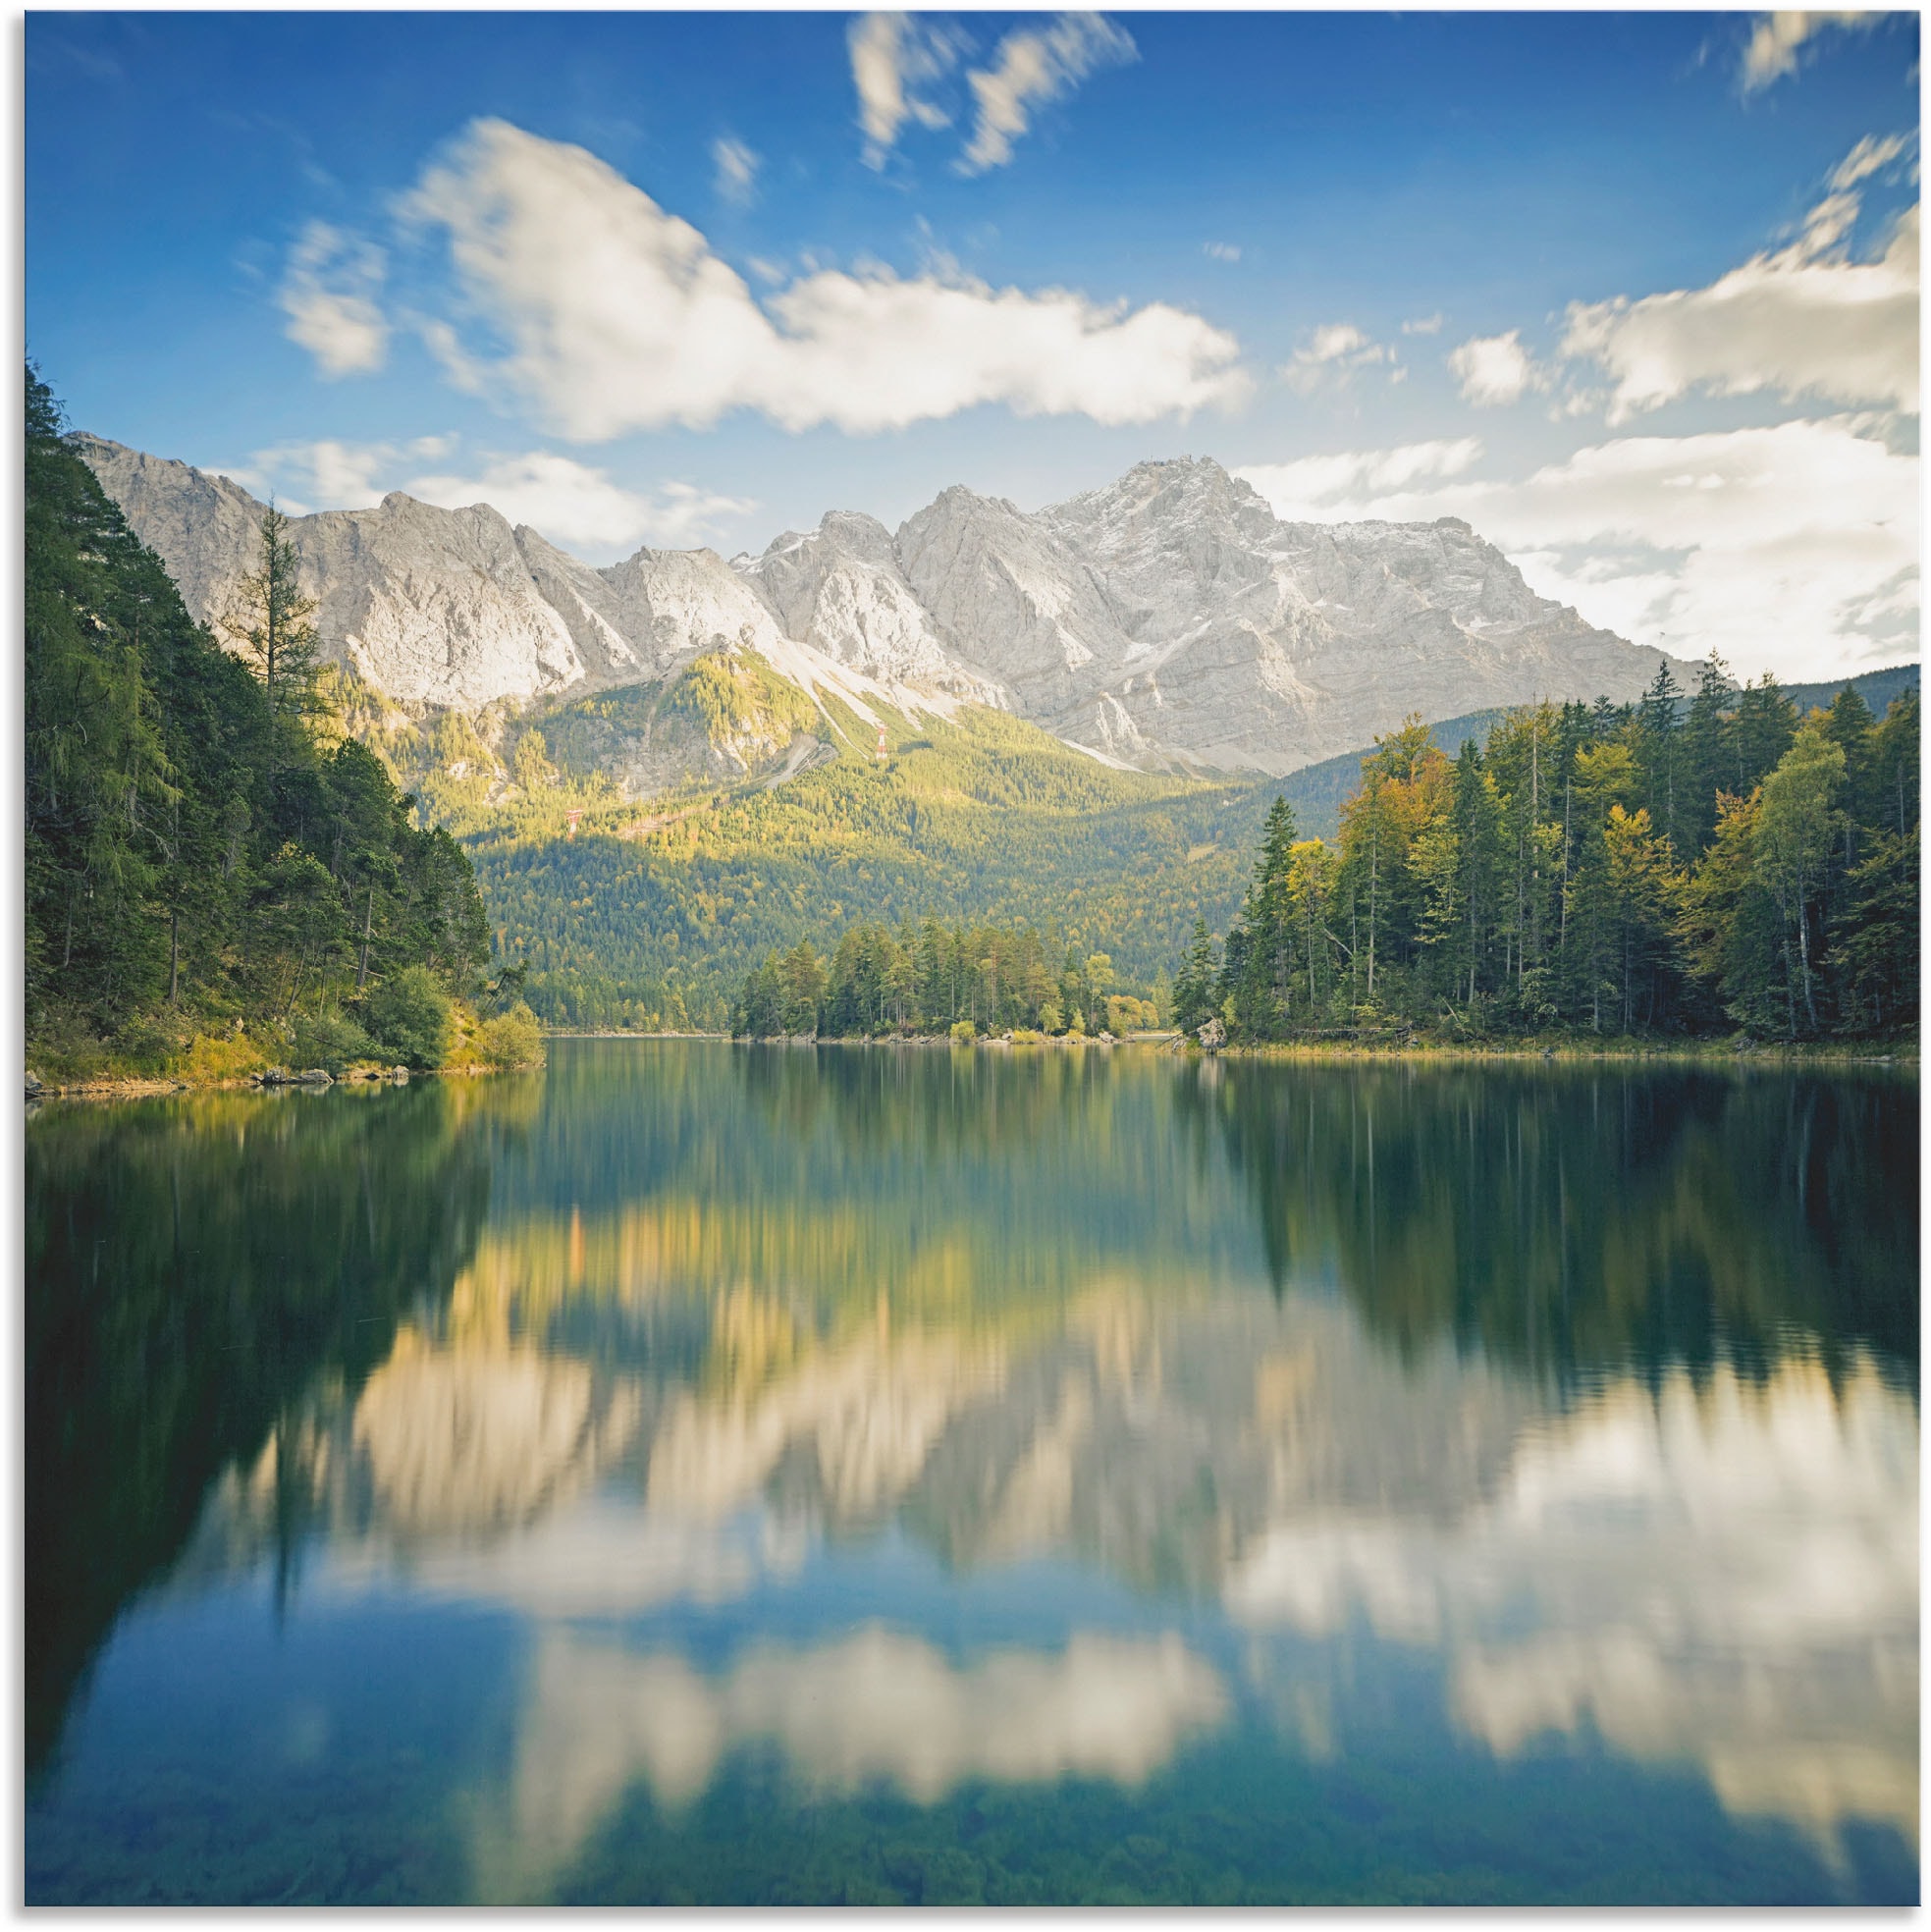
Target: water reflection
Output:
{"points": [[1574, 1216], [1725, 1575], [193, 1265], [927, 1422], [875, 1705]]}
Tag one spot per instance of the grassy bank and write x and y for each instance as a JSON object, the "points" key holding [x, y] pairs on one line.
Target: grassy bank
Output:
{"points": [[153, 1060]]}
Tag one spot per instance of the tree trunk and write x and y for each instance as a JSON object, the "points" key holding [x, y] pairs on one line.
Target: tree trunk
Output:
{"points": [[174, 955], [368, 921], [1803, 948]]}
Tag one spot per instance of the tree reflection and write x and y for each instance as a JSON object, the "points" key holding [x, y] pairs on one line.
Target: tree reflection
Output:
{"points": [[1581, 1221], [192, 1267]]}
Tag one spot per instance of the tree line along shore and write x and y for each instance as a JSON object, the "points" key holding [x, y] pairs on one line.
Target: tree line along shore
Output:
{"points": [[1706, 872]]}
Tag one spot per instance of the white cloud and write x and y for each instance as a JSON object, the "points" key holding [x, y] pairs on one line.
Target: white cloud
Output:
{"points": [[1331, 353], [1771, 51], [568, 502], [1031, 66], [329, 295], [892, 57], [737, 171], [572, 503], [1806, 319], [1870, 156], [1495, 370], [1342, 489], [1424, 325], [1222, 252], [1792, 548], [618, 317], [333, 475]]}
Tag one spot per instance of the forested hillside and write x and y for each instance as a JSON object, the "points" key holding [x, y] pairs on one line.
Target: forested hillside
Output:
{"points": [[215, 878], [652, 915], [1659, 868]]}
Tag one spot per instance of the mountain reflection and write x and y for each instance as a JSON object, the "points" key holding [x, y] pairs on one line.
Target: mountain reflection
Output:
{"points": [[1719, 1572], [1593, 1396], [1724, 1575]]}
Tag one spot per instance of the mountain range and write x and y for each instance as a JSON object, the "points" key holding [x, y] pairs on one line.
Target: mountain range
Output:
{"points": [[1167, 621]]}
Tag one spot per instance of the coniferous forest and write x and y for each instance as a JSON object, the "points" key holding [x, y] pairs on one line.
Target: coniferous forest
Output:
{"points": [[216, 878], [1667, 868], [1687, 867]]}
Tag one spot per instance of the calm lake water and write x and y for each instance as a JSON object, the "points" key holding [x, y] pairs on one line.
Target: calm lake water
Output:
{"points": [[717, 1474]]}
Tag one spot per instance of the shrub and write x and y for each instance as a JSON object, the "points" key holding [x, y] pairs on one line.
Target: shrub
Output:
{"points": [[331, 1041], [964, 1033], [411, 1017], [510, 1039], [147, 1043]]}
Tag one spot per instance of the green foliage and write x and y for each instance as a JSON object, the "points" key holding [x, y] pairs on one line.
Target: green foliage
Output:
{"points": [[928, 978], [199, 846], [1593, 868], [273, 624], [510, 1039], [729, 693], [652, 915], [410, 1016], [331, 1041]]}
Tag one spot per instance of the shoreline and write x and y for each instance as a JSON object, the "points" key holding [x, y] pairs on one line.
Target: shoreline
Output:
{"points": [[1901, 1057], [1726, 1052], [145, 1087]]}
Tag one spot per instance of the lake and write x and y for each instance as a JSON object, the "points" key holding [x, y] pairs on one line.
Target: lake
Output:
{"points": [[753, 1475]]}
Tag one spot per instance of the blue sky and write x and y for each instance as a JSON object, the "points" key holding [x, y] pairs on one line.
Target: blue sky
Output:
{"points": [[1634, 293]]}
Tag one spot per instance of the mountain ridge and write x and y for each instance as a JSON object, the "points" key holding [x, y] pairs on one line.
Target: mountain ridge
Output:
{"points": [[1168, 621]]}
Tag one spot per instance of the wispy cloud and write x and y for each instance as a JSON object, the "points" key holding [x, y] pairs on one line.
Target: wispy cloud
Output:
{"points": [[569, 501], [1805, 319], [894, 57], [1031, 66], [330, 474], [329, 295], [1220, 251], [1424, 325], [1776, 39], [572, 503], [1331, 354], [1345, 488], [737, 166], [618, 316]]}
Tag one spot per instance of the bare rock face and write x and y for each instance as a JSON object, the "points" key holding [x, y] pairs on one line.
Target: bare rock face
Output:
{"points": [[1243, 641], [1168, 621], [204, 528], [840, 589]]}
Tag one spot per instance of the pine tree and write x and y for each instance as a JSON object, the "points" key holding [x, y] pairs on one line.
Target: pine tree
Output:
{"points": [[273, 623]]}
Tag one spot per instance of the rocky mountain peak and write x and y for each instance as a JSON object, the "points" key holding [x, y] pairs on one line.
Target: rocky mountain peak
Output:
{"points": [[1166, 619]]}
